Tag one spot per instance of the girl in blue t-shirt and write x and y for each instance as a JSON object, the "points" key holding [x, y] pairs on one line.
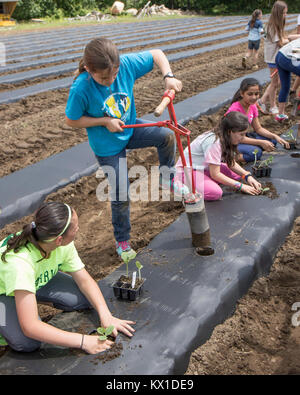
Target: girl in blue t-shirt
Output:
{"points": [[101, 100], [255, 28]]}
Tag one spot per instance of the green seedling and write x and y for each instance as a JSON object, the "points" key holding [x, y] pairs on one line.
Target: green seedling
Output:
{"points": [[290, 135], [127, 257], [266, 162], [105, 332], [264, 190], [139, 267], [255, 152]]}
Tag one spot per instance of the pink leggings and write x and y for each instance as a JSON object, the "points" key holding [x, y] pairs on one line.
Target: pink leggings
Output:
{"points": [[212, 190]]}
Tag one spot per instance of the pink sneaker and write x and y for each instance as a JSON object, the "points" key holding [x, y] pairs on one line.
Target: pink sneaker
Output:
{"points": [[281, 117]]}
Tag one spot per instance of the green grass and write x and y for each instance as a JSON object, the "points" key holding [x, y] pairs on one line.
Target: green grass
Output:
{"points": [[21, 27]]}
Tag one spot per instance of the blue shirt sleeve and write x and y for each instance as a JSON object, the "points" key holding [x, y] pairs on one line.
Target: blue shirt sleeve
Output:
{"points": [[139, 63], [76, 105]]}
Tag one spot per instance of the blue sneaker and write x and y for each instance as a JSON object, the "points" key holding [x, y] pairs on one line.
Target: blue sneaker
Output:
{"points": [[125, 252], [176, 187]]}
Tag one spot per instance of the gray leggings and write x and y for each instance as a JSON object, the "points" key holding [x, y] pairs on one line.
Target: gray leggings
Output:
{"points": [[61, 290]]}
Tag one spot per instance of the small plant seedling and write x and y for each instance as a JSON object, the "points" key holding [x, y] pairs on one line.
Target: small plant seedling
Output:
{"points": [[264, 190], [139, 267], [127, 257], [290, 135], [255, 152], [266, 162], [105, 332]]}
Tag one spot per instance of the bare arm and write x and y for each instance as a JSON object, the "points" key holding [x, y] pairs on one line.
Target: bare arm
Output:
{"points": [[215, 173], [162, 62], [34, 328], [112, 124], [92, 292]]}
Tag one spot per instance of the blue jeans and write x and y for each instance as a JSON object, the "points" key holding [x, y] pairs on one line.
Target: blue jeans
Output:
{"points": [[285, 67], [61, 290], [161, 138], [247, 150]]}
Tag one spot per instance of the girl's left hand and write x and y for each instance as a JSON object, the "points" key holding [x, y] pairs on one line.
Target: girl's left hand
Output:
{"points": [[173, 83], [255, 184], [119, 325], [282, 142]]}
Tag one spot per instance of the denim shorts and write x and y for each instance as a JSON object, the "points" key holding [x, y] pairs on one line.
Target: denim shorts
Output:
{"points": [[253, 44], [272, 65]]}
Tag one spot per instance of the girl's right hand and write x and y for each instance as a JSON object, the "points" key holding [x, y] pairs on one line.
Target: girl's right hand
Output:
{"points": [[250, 190], [266, 145], [92, 344], [114, 125]]}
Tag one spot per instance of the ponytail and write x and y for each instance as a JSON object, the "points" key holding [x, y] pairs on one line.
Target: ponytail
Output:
{"points": [[254, 17], [99, 54], [52, 219]]}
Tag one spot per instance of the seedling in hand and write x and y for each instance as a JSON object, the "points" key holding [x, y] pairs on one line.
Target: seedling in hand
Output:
{"points": [[264, 190], [105, 332]]}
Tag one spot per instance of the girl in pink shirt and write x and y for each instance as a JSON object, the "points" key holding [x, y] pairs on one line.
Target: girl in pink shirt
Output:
{"points": [[213, 158], [262, 139]]}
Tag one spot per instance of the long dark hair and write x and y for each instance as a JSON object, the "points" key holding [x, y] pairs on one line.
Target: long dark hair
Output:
{"points": [[49, 220], [255, 15], [99, 54], [245, 85], [232, 122]]}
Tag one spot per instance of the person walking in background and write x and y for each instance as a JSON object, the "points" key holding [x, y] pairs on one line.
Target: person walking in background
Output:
{"points": [[255, 28], [274, 40]]}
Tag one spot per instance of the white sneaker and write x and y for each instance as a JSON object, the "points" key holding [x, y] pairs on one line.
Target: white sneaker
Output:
{"points": [[274, 110]]}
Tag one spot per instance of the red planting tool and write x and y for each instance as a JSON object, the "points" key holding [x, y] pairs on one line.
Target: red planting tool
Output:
{"points": [[179, 130]]}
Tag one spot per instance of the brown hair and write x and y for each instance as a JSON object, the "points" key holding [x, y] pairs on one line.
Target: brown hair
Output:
{"points": [[245, 85], [255, 15], [276, 21], [232, 122], [49, 220], [99, 54]]}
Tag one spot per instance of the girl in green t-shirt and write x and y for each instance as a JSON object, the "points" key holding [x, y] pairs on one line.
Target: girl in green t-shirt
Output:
{"points": [[33, 268]]}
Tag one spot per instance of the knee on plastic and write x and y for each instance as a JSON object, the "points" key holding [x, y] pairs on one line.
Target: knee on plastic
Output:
{"points": [[214, 193], [27, 345]]}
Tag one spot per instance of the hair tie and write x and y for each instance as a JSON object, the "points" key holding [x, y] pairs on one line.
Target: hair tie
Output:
{"points": [[33, 225], [66, 226]]}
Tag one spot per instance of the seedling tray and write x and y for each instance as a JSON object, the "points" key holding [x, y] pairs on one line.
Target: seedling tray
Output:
{"points": [[262, 171], [123, 290]]}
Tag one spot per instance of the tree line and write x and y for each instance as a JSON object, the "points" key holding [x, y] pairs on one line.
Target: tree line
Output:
{"points": [[27, 9]]}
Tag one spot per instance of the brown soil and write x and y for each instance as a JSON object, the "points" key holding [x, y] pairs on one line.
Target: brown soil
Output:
{"points": [[259, 336]]}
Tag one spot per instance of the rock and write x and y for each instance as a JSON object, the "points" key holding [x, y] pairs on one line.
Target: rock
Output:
{"points": [[117, 8], [132, 11]]}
